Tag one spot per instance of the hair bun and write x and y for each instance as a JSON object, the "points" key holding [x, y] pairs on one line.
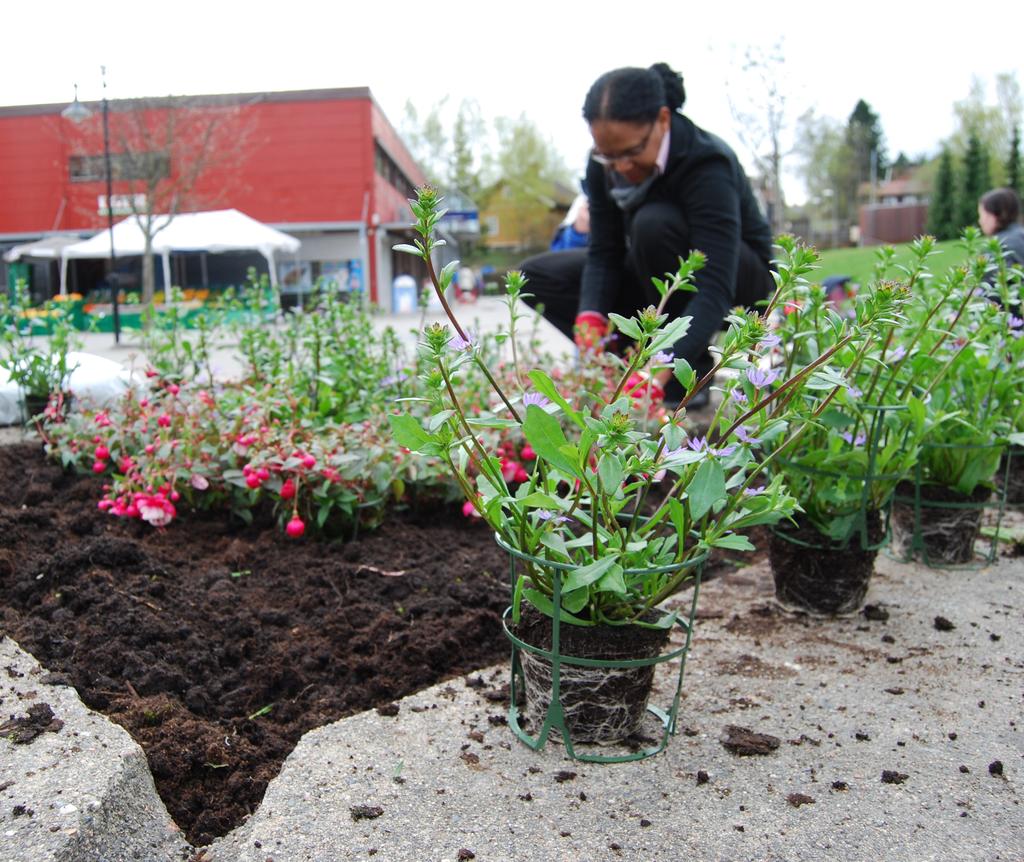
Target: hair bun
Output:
{"points": [[672, 81]]}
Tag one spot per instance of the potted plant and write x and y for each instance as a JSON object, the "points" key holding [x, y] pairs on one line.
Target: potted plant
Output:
{"points": [[844, 470], [617, 514], [39, 367], [937, 514]]}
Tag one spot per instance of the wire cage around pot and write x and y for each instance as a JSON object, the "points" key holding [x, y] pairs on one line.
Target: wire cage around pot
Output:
{"points": [[829, 575], [1010, 477], [556, 690], [940, 526]]}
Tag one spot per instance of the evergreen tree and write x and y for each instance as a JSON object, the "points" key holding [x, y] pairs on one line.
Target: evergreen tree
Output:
{"points": [[941, 219], [1013, 176], [976, 180], [866, 142]]}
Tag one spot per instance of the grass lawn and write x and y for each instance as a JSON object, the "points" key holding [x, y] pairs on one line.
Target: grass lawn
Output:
{"points": [[859, 262]]}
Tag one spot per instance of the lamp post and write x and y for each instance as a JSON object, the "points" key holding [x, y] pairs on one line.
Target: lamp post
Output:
{"points": [[79, 113]]}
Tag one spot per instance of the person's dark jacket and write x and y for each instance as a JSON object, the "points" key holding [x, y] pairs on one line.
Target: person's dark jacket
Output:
{"points": [[705, 179], [1012, 239]]}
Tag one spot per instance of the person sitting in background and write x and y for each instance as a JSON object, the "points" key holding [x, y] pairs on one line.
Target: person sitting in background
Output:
{"points": [[574, 230], [659, 187], [999, 216]]}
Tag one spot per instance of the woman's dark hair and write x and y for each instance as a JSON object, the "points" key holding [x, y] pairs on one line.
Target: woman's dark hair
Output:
{"points": [[633, 95], [1003, 204]]}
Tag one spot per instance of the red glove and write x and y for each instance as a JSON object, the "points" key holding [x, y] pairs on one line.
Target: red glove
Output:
{"points": [[590, 328], [640, 383]]}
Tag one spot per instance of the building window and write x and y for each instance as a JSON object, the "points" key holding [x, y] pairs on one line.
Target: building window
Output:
{"points": [[387, 168], [123, 166]]}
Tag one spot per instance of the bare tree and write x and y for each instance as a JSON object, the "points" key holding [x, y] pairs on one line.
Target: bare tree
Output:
{"points": [[759, 113], [169, 156]]}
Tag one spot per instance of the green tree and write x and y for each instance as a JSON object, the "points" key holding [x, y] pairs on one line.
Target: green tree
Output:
{"points": [[993, 124], [1013, 175], [529, 166], [427, 140], [866, 146], [975, 181], [466, 160], [942, 209], [825, 166]]}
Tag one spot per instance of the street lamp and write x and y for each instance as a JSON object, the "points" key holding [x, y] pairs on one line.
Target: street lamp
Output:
{"points": [[79, 113]]}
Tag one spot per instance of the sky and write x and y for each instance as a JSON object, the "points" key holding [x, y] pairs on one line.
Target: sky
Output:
{"points": [[537, 58]]}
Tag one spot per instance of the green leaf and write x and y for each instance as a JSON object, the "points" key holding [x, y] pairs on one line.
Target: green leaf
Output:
{"points": [[706, 488], [493, 422], [438, 419], [543, 604], [627, 326], [408, 432], [545, 435], [610, 471], [575, 601], [408, 249], [671, 333], [733, 542], [678, 515], [612, 582], [546, 387], [588, 574], [539, 500], [684, 373]]}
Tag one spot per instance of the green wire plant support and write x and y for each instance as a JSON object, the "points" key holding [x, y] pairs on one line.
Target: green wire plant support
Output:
{"points": [[860, 527], [555, 718], [940, 542]]}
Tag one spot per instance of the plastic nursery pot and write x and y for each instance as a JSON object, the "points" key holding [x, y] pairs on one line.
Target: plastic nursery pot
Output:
{"points": [[816, 576], [591, 685], [936, 524]]}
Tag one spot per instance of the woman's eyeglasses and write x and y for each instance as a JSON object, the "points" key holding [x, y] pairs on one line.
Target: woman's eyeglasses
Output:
{"points": [[626, 155]]}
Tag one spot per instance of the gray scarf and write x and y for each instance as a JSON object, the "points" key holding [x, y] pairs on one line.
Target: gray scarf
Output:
{"points": [[626, 195]]}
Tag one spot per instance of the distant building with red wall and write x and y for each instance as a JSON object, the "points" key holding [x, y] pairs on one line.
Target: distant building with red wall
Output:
{"points": [[325, 166]]}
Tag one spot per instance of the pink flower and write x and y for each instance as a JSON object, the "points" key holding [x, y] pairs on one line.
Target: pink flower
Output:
{"points": [[173, 388], [308, 461], [99, 466], [102, 453], [163, 420], [199, 481], [253, 481], [527, 453], [288, 490], [155, 509], [150, 448], [469, 510], [521, 475], [508, 469], [295, 527]]}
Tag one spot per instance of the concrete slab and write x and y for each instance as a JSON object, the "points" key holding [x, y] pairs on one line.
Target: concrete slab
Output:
{"points": [[898, 741], [80, 790]]}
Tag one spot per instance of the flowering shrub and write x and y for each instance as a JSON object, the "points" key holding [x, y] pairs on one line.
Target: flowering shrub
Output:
{"points": [[588, 504]]}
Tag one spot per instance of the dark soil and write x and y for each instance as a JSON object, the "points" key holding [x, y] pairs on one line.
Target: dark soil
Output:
{"points": [[218, 645], [811, 576], [946, 534]]}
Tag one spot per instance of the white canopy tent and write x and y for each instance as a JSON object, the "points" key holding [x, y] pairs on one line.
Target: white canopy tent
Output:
{"points": [[47, 248], [215, 232]]}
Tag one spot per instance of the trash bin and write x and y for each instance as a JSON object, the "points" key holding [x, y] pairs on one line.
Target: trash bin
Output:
{"points": [[403, 294]]}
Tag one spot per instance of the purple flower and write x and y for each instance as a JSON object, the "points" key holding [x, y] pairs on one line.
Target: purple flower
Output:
{"points": [[753, 492], [700, 444], [1015, 322], [761, 378], [854, 441], [853, 392], [739, 396], [394, 378], [898, 353], [535, 398], [460, 343], [663, 357], [768, 342], [548, 515], [744, 436]]}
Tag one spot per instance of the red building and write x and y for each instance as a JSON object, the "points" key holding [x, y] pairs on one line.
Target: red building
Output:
{"points": [[323, 165]]}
